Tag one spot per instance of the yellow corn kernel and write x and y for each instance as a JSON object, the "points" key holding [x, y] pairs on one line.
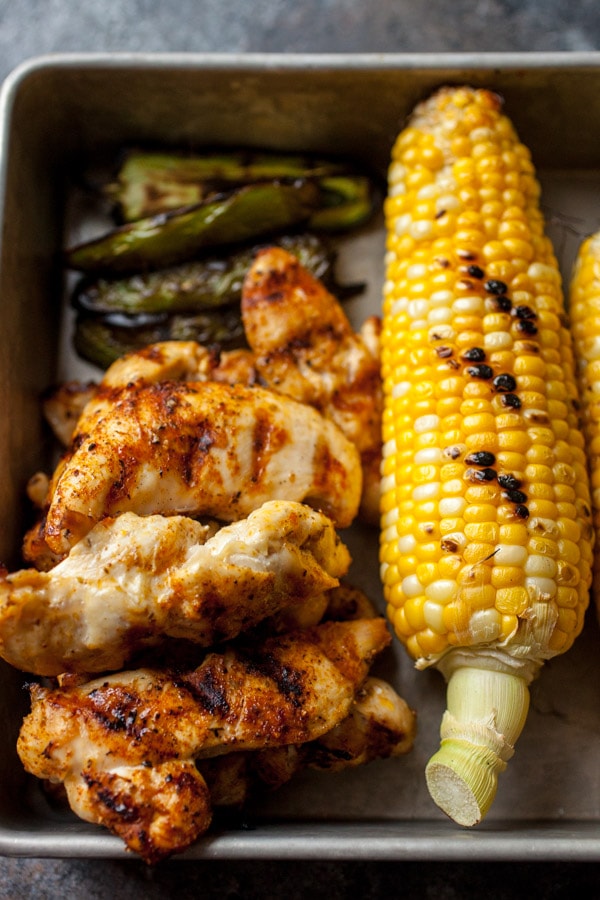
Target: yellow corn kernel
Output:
{"points": [[478, 596], [476, 552], [482, 531], [557, 642], [413, 613], [507, 577], [512, 600]]}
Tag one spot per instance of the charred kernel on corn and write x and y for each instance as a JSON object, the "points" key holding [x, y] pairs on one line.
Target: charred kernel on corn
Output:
{"points": [[584, 297], [478, 371]]}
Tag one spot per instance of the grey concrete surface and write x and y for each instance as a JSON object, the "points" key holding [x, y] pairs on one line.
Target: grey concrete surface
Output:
{"points": [[32, 27]]}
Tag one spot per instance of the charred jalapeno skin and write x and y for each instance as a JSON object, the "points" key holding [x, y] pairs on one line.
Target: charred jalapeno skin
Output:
{"points": [[244, 214], [200, 284], [150, 183], [101, 340]]}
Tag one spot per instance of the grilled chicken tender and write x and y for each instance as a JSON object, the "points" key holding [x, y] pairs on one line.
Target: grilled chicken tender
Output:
{"points": [[124, 745], [380, 725], [64, 404], [134, 580], [341, 603], [195, 448], [305, 347]]}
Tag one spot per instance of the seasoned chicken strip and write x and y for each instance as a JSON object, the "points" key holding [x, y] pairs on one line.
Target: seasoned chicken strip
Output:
{"points": [[380, 725], [306, 348], [196, 449], [162, 361], [341, 603], [134, 580], [64, 404], [119, 741]]}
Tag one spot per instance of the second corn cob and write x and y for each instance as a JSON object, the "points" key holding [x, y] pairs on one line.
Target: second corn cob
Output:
{"points": [[486, 530], [584, 309]]}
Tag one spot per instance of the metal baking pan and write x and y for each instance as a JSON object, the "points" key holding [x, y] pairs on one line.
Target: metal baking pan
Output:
{"points": [[62, 115]]}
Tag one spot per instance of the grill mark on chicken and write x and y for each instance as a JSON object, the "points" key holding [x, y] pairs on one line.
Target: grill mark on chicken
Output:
{"points": [[127, 812], [125, 746], [305, 347], [122, 716], [208, 689], [153, 811], [222, 451], [267, 439], [380, 725], [135, 580], [287, 680]]}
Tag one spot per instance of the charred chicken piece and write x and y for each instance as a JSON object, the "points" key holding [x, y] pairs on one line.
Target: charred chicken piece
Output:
{"points": [[134, 580], [195, 448], [64, 404], [124, 745], [380, 725], [305, 347]]}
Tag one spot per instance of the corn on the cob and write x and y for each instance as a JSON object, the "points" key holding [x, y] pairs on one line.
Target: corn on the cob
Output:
{"points": [[584, 310], [486, 528]]}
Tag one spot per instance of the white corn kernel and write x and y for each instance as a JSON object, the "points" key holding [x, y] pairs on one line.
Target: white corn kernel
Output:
{"points": [[542, 566], [469, 305], [536, 586], [543, 527], [428, 191], [485, 625], [442, 590], [481, 133], [416, 271], [389, 519], [421, 229], [403, 224], [426, 491], [433, 613], [441, 316], [399, 306], [538, 271], [441, 333], [428, 455], [396, 172], [441, 298], [427, 423], [400, 389], [447, 202], [417, 309], [510, 555], [406, 543], [452, 507], [497, 340], [411, 586], [457, 539], [388, 483]]}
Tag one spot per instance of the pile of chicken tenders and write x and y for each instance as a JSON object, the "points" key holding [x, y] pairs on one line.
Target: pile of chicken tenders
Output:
{"points": [[184, 603]]}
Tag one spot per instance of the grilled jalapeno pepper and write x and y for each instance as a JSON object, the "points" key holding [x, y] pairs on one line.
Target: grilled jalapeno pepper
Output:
{"points": [[103, 339], [200, 284], [240, 215], [149, 183]]}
